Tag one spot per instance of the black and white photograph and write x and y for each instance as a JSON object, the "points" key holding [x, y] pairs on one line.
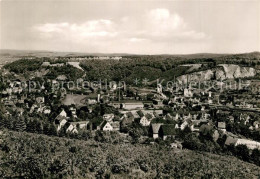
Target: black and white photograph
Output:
{"points": [[142, 89]]}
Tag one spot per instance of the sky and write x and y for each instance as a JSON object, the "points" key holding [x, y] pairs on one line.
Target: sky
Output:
{"points": [[138, 27]]}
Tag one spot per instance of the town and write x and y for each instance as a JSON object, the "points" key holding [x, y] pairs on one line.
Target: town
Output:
{"points": [[209, 106], [146, 111]]}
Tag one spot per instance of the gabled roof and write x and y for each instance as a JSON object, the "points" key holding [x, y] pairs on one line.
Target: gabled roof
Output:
{"points": [[188, 121], [256, 122], [230, 140], [130, 115], [59, 118], [222, 125], [149, 116], [127, 120], [115, 124], [156, 127], [104, 123], [140, 113], [168, 129]]}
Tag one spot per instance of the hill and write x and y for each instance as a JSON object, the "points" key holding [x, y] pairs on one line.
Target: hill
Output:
{"points": [[38, 156], [151, 67], [45, 53]]}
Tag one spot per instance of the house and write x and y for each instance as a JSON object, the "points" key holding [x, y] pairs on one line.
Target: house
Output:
{"points": [[146, 119], [57, 64], [63, 113], [176, 118], [108, 117], [186, 123], [195, 125], [127, 119], [155, 129], [185, 117], [256, 124], [127, 115], [187, 93], [115, 125], [106, 126], [74, 126], [237, 141], [132, 105], [73, 112], [46, 110], [244, 117], [72, 129], [168, 130], [33, 108], [157, 103], [61, 119], [222, 126]]}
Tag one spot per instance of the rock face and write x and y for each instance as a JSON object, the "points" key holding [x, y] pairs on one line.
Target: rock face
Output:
{"points": [[197, 76], [235, 71], [222, 72]]}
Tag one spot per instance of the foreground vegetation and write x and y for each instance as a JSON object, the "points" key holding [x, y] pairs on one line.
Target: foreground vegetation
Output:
{"points": [[25, 155]]}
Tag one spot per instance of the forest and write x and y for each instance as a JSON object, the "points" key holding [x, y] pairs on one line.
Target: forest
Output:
{"points": [[132, 67]]}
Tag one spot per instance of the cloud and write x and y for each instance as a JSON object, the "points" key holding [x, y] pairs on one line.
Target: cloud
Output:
{"points": [[89, 29], [163, 20], [152, 28], [159, 25], [134, 39]]}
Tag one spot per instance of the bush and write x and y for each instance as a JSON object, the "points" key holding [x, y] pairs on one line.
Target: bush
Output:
{"points": [[242, 152]]}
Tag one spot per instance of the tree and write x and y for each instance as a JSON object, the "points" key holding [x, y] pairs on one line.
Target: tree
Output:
{"points": [[255, 156], [52, 130], [191, 141], [20, 125], [242, 152], [186, 131], [6, 122]]}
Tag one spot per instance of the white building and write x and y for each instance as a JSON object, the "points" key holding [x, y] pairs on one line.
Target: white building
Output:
{"points": [[249, 143]]}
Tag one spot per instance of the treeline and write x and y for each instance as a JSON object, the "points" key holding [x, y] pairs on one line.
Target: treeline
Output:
{"points": [[32, 125], [130, 67], [24, 65], [69, 71]]}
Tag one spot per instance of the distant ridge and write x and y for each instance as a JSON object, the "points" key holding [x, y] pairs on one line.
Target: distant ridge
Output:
{"points": [[46, 53]]}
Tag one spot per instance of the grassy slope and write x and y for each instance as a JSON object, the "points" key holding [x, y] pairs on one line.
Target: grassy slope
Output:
{"points": [[39, 155]]}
